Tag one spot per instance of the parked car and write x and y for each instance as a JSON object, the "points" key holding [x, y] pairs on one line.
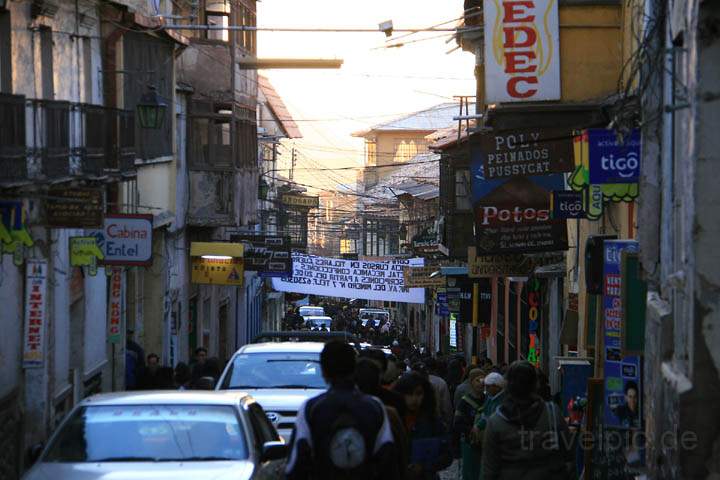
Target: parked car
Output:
{"points": [[279, 375], [310, 310], [318, 321], [168, 434], [375, 315]]}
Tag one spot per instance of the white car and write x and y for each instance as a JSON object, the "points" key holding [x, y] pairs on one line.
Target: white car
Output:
{"points": [[279, 375], [318, 321], [164, 434], [310, 310]]}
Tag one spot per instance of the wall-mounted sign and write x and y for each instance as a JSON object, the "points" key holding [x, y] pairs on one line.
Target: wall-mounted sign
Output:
{"points": [[35, 302], [217, 263], [115, 305], [567, 204], [511, 265], [296, 200], [537, 151], [126, 239], [534, 309], [512, 215], [75, 208], [334, 277], [14, 233], [522, 50], [85, 252], [269, 255], [419, 277], [621, 372], [613, 160]]}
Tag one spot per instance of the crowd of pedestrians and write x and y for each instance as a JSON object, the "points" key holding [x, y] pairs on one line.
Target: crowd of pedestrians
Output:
{"points": [[409, 417]]}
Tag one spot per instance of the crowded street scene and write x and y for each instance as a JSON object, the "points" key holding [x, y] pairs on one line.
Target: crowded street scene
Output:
{"points": [[389, 239]]}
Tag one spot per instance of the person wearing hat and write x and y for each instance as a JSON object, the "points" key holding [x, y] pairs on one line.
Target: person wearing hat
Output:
{"points": [[494, 396], [526, 437]]}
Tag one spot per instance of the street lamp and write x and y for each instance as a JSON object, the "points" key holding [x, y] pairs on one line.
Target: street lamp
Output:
{"points": [[151, 109], [263, 189]]}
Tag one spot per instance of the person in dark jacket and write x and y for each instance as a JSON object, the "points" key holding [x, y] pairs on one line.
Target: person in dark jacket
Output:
{"points": [[342, 433], [526, 438], [469, 407], [387, 396], [429, 442], [367, 377]]}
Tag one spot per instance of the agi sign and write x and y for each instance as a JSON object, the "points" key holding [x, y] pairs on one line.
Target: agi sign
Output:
{"points": [[522, 50]]}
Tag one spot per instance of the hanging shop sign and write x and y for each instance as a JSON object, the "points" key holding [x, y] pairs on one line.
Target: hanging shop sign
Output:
{"points": [[85, 252], [567, 204], [537, 151], [361, 279], [419, 277], [14, 233], [534, 309], [509, 265], [613, 159], [512, 215], [296, 200], [441, 303], [596, 195], [269, 255], [74, 208], [35, 304], [522, 51], [426, 242], [622, 373], [217, 263], [115, 305], [126, 239]]}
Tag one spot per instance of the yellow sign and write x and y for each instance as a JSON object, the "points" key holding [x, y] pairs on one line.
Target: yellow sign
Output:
{"points": [[419, 277], [85, 252], [198, 249], [218, 271], [300, 200]]}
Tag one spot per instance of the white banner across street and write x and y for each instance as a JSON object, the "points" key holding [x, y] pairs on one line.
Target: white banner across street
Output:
{"points": [[368, 280]]}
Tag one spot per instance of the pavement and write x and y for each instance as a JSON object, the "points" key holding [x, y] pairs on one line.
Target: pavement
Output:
{"points": [[452, 472]]}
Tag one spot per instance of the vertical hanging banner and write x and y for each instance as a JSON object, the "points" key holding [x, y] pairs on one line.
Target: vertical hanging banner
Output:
{"points": [[522, 50], [35, 303], [622, 374], [534, 312], [115, 306]]}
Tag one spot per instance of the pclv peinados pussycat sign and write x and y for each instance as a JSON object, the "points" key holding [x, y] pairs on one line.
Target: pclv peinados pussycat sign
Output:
{"points": [[614, 159]]}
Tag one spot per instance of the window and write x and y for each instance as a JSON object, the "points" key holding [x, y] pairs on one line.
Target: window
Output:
{"points": [[246, 39], [210, 135], [217, 14], [5, 53], [87, 71], [370, 152], [462, 190], [46, 63], [405, 149]]}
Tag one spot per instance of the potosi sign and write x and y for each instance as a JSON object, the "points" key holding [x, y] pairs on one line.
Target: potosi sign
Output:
{"points": [[522, 50]]}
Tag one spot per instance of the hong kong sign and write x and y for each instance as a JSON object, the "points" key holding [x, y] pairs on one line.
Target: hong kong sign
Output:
{"points": [[522, 50], [527, 152], [512, 215], [125, 239], [567, 204], [613, 160]]}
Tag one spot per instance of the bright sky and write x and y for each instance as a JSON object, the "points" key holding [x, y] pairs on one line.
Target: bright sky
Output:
{"points": [[373, 86]]}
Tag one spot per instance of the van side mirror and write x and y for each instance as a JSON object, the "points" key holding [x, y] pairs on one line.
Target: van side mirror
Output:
{"points": [[34, 452], [275, 450]]}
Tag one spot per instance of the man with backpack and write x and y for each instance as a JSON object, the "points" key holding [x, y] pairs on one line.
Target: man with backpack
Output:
{"points": [[343, 433]]}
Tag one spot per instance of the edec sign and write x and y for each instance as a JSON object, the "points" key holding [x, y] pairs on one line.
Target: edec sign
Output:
{"points": [[126, 239], [522, 50]]}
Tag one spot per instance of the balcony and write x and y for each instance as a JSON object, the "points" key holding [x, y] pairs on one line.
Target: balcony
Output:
{"points": [[51, 140]]}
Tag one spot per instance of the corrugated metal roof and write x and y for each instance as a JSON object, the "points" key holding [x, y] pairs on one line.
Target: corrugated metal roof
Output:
{"points": [[278, 108], [416, 174], [435, 118]]}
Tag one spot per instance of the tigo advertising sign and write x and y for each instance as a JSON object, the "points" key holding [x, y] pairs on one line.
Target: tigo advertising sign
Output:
{"points": [[567, 204], [522, 50], [613, 160], [126, 239]]}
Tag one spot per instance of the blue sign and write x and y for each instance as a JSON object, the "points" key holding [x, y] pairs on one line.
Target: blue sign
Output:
{"points": [[613, 161], [567, 204], [622, 374]]}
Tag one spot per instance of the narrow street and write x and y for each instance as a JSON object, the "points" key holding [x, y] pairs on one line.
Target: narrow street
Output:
{"points": [[318, 239]]}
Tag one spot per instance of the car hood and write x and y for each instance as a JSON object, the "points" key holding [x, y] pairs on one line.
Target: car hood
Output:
{"points": [[283, 398], [236, 470]]}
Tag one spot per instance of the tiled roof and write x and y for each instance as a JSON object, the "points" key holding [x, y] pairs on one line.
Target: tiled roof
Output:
{"points": [[435, 118], [278, 108]]}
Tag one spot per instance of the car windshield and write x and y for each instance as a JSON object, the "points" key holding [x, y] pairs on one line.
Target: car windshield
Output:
{"points": [[150, 433], [275, 370]]}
